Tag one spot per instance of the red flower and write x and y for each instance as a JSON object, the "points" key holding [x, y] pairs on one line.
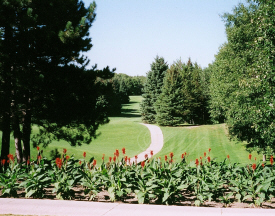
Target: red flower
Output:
{"points": [[67, 157], [39, 157], [142, 164], [208, 159], [114, 158], [3, 161], [8, 161], [182, 156], [249, 156], [125, 159], [136, 157], [123, 150], [204, 154], [10, 156], [228, 156], [209, 149], [117, 153], [165, 157], [28, 161], [271, 161], [197, 162], [110, 159], [94, 162], [79, 162], [200, 157], [84, 154], [185, 153], [253, 166], [64, 151], [103, 157], [58, 162], [146, 156], [151, 153], [37, 147], [255, 158], [129, 160], [171, 155], [263, 165]]}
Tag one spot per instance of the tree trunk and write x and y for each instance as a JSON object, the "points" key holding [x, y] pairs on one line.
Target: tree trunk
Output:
{"points": [[264, 157], [17, 139], [26, 131]]}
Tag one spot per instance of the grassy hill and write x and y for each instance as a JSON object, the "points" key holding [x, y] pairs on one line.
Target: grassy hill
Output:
{"points": [[122, 131]]}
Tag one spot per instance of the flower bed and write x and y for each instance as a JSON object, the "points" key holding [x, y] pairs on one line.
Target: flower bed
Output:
{"points": [[198, 182]]}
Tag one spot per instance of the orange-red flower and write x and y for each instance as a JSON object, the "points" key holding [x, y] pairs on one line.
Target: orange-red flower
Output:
{"points": [[142, 164], [125, 158], [28, 161], [171, 155], [151, 153], [10, 156], [249, 156], [37, 147], [123, 150], [255, 158], [228, 156], [271, 161], [64, 151], [136, 157], [209, 149], [200, 157], [39, 157], [103, 157], [254, 166], [208, 159], [3, 161], [182, 156], [114, 158], [110, 159], [197, 162], [204, 154], [84, 154], [58, 162], [67, 157], [146, 156], [79, 162], [263, 165], [117, 153], [129, 160], [165, 157], [94, 162]]}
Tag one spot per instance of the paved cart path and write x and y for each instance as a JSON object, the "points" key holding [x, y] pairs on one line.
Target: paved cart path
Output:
{"points": [[156, 143]]}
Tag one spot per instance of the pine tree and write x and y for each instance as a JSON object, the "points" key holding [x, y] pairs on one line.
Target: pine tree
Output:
{"points": [[169, 103], [152, 89]]}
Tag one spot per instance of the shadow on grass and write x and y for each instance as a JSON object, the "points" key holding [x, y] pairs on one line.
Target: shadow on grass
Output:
{"points": [[128, 113]]}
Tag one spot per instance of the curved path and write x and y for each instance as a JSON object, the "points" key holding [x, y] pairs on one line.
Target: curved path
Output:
{"points": [[156, 142]]}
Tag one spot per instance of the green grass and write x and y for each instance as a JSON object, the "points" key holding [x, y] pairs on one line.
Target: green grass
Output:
{"points": [[197, 140], [122, 131]]}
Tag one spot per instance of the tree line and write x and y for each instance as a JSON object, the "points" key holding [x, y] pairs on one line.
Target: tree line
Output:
{"points": [[175, 94], [238, 88]]}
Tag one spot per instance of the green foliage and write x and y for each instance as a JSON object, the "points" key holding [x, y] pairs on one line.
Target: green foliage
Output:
{"points": [[152, 89], [242, 81], [182, 98]]}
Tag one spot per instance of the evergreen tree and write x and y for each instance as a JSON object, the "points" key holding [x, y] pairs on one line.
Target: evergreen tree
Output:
{"points": [[152, 89], [170, 102]]}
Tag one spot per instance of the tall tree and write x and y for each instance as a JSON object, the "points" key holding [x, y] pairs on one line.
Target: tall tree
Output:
{"points": [[152, 89], [48, 82], [244, 72]]}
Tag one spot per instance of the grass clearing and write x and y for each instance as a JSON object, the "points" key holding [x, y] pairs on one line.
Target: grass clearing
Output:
{"points": [[197, 140], [122, 131]]}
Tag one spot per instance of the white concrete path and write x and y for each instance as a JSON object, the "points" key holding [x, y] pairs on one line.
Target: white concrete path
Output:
{"points": [[83, 208], [156, 143]]}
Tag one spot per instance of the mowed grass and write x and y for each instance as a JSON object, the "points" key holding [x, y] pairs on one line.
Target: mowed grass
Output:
{"points": [[122, 131], [197, 140]]}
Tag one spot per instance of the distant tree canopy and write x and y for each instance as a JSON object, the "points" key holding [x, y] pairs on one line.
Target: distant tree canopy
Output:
{"points": [[242, 83], [44, 80]]}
